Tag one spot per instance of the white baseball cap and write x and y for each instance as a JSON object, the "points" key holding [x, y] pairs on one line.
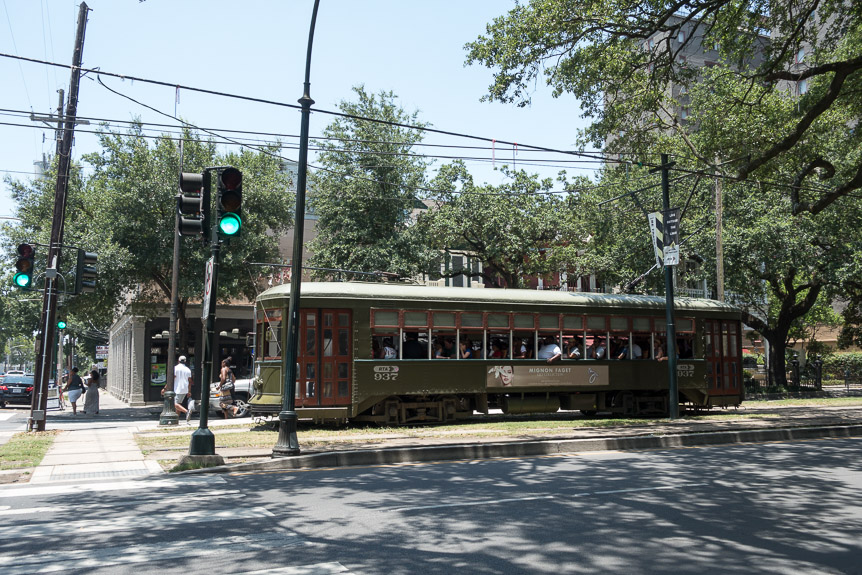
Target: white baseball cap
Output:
{"points": [[182, 359]]}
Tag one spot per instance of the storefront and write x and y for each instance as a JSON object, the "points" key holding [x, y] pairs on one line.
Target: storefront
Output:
{"points": [[139, 351]]}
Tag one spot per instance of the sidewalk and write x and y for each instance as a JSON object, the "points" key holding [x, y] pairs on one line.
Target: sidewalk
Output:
{"points": [[103, 447]]}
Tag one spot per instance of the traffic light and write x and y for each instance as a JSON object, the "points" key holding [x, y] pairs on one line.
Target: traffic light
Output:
{"points": [[86, 272], [61, 324], [193, 204], [229, 202], [24, 277]]}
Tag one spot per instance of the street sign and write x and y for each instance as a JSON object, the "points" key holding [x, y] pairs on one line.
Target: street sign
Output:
{"points": [[671, 237], [664, 227], [101, 352], [208, 286]]}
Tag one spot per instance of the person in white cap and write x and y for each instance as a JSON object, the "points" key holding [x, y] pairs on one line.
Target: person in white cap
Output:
{"points": [[182, 387]]}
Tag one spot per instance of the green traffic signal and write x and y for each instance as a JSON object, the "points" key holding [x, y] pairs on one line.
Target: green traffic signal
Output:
{"points": [[24, 265], [22, 280], [61, 324], [229, 202], [229, 224]]}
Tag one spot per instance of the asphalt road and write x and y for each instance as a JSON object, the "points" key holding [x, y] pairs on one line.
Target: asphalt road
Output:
{"points": [[768, 508]]}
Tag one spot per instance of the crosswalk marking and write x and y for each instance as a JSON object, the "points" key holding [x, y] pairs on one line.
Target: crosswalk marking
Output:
{"points": [[127, 485], [132, 522], [82, 560], [54, 510]]}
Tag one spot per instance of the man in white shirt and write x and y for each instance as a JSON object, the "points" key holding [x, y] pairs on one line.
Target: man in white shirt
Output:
{"points": [[550, 351], [182, 387]]}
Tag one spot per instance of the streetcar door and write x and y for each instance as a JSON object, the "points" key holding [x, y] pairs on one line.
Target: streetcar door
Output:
{"points": [[724, 366], [308, 356], [335, 357]]}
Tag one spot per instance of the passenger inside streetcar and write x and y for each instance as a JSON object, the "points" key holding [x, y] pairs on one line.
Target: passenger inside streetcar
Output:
{"points": [[465, 349]]}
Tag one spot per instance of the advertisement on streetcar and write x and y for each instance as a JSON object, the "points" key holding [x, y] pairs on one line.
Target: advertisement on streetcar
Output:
{"points": [[542, 375]]}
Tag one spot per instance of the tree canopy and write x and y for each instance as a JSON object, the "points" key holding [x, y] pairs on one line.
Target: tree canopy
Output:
{"points": [[124, 211], [369, 182], [621, 58]]}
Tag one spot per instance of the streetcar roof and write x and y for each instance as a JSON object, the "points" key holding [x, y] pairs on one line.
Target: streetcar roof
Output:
{"points": [[515, 297]]}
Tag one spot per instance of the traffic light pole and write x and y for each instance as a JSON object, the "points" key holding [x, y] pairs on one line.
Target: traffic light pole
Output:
{"points": [[288, 442], [49, 300], [203, 440]]}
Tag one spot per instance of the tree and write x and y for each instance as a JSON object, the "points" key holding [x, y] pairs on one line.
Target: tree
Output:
{"points": [[514, 228], [366, 189], [125, 213], [603, 54]]}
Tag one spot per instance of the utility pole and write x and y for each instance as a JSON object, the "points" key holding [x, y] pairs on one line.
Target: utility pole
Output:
{"points": [[719, 249], [673, 391], [169, 415], [48, 324]]}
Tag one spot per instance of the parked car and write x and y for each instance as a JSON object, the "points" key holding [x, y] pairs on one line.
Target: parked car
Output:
{"points": [[242, 391], [16, 389]]}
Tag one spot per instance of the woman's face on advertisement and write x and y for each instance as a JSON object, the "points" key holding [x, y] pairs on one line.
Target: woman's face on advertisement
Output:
{"points": [[507, 375]]}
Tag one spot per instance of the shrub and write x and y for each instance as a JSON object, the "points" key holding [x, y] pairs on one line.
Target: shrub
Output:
{"points": [[835, 365]]}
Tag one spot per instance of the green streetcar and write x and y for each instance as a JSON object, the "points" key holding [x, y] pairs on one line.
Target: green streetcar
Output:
{"points": [[399, 354]]}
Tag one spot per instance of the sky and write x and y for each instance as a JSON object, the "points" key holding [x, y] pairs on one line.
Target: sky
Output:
{"points": [[413, 48]]}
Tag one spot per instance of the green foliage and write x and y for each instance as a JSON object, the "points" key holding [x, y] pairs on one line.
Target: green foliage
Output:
{"points": [[515, 228], [125, 213], [619, 59], [835, 365], [367, 188]]}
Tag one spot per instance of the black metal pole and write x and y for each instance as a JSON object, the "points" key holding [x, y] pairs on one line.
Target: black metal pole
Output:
{"points": [[169, 413], [673, 392], [288, 442], [203, 440], [47, 324]]}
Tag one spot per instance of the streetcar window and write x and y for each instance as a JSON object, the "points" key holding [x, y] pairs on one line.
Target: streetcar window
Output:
{"points": [[500, 321], [444, 319], [620, 324], [498, 345], [549, 322], [473, 320], [269, 334], [444, 345], [383, 344], [573, 323], [684, 325], [380, 317], [525, 321], [415, 319], [524, 345], [597, 323]]}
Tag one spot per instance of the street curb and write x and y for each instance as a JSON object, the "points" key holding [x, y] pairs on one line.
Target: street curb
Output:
{"points": [[420, 454]]}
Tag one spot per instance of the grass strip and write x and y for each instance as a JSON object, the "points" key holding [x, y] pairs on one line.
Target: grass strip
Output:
{"points": [[26, 449]]}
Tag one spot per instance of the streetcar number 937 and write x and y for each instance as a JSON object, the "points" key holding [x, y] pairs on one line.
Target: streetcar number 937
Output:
{"points": [[385, 372]]}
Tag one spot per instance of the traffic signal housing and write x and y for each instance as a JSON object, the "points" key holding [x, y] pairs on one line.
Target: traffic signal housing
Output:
{"points": [[24, 264], [229, 202], [86, 272], [193, 204]]}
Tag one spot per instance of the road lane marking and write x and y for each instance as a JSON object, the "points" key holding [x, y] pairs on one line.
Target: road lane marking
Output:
{"points": [[169, 483], [78, 509], [540, 497], [472, 503], [62, 560], [141, 523]]}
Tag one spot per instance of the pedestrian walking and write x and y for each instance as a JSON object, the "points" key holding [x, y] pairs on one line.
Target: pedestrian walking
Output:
{"points": [[183, 388], [91, 404], [226, 385], [75, 388]]}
